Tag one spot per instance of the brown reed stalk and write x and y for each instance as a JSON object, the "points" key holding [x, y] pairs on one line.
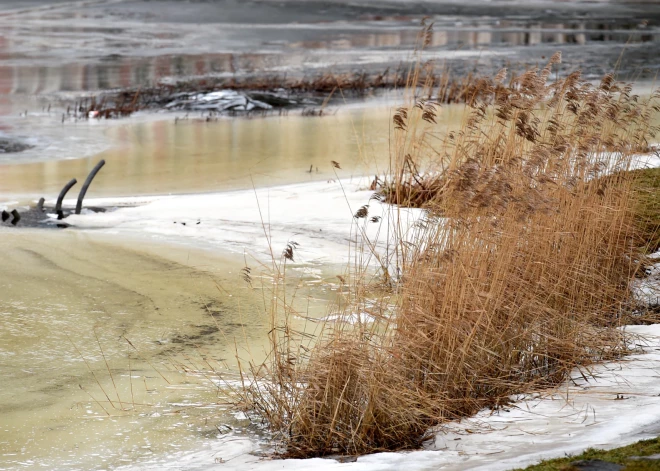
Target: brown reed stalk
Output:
{"points": [[518, 273]]}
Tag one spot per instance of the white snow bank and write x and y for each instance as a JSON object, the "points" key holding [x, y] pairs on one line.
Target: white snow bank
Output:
{"points": [[578, 415], [647, 290], [651, 160], [318, 216]]}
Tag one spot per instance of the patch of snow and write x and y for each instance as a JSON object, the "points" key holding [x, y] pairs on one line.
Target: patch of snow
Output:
{"points": [[318, 216], [352, 318], [218, 101], [647, 290], [618, 405], [651, 160]]}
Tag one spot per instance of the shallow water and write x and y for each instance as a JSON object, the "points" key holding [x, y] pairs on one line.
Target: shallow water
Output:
{"points": [[75, 393], [161, 157]]}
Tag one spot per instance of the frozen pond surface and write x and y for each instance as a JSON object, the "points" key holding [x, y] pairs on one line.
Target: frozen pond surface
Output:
{"points": [[75, 394], [111, 347], [91, 45]]}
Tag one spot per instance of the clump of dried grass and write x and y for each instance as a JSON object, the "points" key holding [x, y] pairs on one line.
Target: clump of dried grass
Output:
{"points": [[518, 274], [276, 90]]}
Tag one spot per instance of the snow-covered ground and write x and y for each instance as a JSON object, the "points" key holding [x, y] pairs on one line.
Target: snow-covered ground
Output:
{"points": [[647, 290], [318, 216], [619, 404]]}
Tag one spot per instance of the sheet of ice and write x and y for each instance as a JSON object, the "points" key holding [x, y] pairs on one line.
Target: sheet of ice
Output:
{"points": [[651, 160], [577, 415], [352, 318], [647, 290], [318, 216]]}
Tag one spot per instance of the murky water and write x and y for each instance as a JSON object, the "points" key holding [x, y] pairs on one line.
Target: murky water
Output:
{"points": [[107, 347], [196, 156], [160, 157]]}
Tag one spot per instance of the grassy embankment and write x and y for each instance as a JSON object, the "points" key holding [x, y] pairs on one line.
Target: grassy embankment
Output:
{"points": [[647, 212], [518, 272], [647, 216], [625, 456]]}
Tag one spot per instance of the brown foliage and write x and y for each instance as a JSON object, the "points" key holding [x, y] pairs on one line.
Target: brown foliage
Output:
{"points": [[518, 274]]}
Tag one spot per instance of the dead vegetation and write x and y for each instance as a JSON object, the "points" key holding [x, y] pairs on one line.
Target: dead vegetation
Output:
{"points": [[518, 273], [104, 107], [279, 92], [358, 83]]}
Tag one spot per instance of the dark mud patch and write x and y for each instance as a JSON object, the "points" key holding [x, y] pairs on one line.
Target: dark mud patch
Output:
{"points": [[212, 308], [268, 95], [44, 217], [202, 332]]}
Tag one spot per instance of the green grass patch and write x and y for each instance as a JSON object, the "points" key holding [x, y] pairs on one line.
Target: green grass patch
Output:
{"points": [[648, 210], [647, 215], [620, 456]]}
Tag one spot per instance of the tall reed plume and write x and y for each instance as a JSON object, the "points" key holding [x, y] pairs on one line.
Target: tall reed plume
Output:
{"points": [[518, 271]]}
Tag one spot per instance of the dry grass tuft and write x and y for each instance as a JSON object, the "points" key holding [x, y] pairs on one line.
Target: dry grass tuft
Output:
{"points": [[518, 273]]}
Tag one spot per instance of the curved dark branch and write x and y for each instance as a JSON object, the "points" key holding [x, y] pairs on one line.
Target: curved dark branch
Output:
{"points": [[58, 206], [88, 182]]}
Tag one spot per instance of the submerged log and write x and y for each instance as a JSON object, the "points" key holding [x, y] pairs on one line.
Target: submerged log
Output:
{"points": [[88, 182], [58, 205]]}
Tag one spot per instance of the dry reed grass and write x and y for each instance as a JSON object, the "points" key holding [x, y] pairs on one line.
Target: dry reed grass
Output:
{"points": [[518, 273], [326, 85]]}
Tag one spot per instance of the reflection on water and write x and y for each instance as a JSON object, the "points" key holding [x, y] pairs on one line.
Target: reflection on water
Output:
{"points": [[502, 33], [195, 156], [69, 303], [271, 51], [119, 72], [161, 157]]}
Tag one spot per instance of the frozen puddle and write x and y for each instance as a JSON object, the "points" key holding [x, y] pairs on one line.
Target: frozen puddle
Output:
{"points": [[578, 415]]}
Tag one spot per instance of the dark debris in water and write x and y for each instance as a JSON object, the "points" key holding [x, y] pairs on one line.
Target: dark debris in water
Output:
{"points": [[202, 331], [41, 216], [9, 146], [229, 101], [241, 95]]}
